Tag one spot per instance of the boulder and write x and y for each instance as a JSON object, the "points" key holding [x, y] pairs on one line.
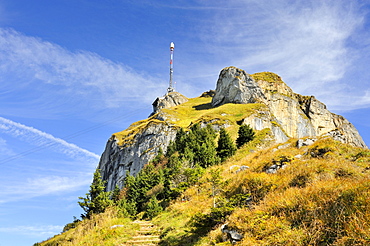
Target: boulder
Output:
{"points": [[169, 100], [232, 235], [234, 85]]}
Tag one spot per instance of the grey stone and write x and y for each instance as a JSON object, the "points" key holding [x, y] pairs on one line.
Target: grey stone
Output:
{"points": [[286, 114], [242, 168], [232, 235], [169, 100], [234, 85], [305, 142], [117, 160]]}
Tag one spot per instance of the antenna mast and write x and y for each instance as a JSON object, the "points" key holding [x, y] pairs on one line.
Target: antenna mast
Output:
{"points": [[170, 88]]}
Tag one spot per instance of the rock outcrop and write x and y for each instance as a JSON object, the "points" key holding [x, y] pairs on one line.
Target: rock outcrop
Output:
{"points": [[289, 115], [285, 113], [132, 150], [169, 100], [236, 86]]}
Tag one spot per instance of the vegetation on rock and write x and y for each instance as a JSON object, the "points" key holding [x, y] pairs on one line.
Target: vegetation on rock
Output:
{"points": [[267, 76]]}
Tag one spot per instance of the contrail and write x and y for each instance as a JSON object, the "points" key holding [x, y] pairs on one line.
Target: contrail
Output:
{"points": [[42, 140]]}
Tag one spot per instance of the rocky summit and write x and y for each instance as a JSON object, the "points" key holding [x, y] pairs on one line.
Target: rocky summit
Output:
{"points": [[261, 100]]}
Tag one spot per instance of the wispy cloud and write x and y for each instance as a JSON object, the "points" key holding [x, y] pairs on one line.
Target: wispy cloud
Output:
{"points": [[306, 42], [51, 184], [44, 140], [83, 74], [44, 230], [41, 186], [4, 148]]}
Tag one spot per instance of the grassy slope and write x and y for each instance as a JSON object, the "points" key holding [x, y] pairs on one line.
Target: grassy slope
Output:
{"points": [[195, 110], [97, 231], [314, 201], [321, 200]]}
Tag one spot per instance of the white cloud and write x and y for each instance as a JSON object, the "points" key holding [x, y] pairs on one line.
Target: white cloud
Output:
{"points": [[47, 184], [44, 140], [43, 230], [41, 186], [4, 149], [83, 74], [305, 42]]}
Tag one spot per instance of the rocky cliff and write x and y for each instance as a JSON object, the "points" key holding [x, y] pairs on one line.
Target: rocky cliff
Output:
{"points": [[261, 100], [289, 115]]}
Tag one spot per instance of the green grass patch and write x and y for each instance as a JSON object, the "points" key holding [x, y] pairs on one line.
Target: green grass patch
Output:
{"points": [[268, 77], [196, 110]]}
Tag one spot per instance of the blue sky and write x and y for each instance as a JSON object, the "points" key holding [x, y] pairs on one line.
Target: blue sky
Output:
{"points": [[74, 72]]}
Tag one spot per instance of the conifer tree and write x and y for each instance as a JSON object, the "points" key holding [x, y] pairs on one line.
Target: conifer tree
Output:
{"points": [[153, 208], [226, 146], [96, 200], [245, 135], [115, 194]]}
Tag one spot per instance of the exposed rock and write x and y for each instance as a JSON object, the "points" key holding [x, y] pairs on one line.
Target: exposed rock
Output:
{"points": [[275, 167], [130, 157], [298, 156], [305, 142], [232, 235], [169, 100], [115, 226], [242, 168], [288, 115], [278, 164], [234, 85], [210, 93]]}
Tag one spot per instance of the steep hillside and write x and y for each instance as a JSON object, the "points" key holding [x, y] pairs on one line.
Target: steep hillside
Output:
{"points": [[320, 196]]}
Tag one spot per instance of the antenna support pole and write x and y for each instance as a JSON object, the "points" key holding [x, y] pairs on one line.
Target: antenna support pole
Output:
{"points": [[170, 88]]}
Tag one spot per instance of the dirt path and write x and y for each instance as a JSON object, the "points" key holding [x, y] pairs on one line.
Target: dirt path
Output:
{"points": [[147, 235]]}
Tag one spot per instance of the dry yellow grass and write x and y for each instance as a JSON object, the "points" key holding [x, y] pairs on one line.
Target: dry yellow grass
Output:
{"points": [[315, 200], [97, 231]]}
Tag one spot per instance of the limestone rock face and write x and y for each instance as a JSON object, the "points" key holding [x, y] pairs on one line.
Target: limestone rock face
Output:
{"points": [[236, 86], [169, 100], [289, 115], [118, 159]]}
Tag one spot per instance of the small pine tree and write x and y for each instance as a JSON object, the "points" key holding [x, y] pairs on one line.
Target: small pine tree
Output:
{"points": [[115, 194], [153, 208], [226, 146], [245, 135], [96, 200]]}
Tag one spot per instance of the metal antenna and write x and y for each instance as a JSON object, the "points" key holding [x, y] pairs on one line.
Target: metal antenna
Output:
{"points": [[170, 88]]}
